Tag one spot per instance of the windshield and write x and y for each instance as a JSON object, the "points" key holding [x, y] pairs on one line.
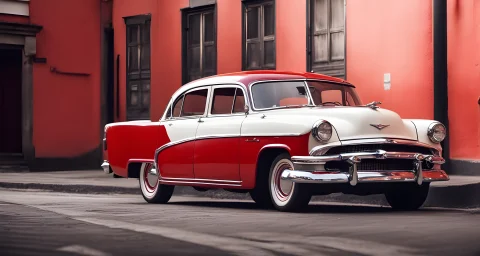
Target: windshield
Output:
{"points": [[281, 94]]}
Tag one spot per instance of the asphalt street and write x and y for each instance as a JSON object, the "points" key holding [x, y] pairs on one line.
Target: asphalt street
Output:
{"points": [[46, 223]]}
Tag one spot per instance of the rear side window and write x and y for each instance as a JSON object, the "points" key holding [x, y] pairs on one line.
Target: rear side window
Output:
{"points": [[194, 103], [177, 108]]}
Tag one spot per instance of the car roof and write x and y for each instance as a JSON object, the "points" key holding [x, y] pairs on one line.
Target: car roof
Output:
{"points": [[248, 77]]}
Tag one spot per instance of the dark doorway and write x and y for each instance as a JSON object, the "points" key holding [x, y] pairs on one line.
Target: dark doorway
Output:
{"points": [[10, 100]]}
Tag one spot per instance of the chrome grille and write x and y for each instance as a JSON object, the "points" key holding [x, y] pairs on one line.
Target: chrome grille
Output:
{"points": [[375, 147], [378, 164]]}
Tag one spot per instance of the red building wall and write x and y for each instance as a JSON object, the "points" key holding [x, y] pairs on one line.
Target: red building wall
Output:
{"points": [[291, 35], [464, 78], [229, 36], [395, 37], [66, 108]]}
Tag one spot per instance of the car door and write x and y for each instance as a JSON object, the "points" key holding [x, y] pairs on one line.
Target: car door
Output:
{"points": [[176, 160], [218, 135]]}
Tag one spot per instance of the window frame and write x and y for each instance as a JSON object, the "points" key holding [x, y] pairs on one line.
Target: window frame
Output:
{"points": [[185, 30], [335, 68], [210, 105], [132, 112], [252, 3], [169, 110]]}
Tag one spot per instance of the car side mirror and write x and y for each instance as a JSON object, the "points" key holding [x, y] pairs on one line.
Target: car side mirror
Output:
{"points": [[247, 109]]}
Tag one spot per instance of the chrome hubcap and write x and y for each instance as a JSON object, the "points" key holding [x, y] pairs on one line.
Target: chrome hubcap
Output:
{"points": [[150, 178], [281, 189]]}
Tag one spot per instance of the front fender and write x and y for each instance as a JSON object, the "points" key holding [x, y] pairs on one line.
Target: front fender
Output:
{"points": [[422, 128]]}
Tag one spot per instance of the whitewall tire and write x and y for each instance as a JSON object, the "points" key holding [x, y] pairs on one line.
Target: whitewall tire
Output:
{"points": [[152, 190], [286, 195]]}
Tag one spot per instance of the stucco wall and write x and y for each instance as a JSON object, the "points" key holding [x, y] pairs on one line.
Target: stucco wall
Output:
{"points": [[395, 37], [464, 78], [66, 108]]}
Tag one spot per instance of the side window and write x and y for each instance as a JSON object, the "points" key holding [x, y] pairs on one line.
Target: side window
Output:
{"points": [[239, 104], [194, 103], [223, 101], [177, 107]]}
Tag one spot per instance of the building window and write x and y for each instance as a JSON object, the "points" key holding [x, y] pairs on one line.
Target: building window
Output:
{"points": [[259, 35], [199, 43], [326, 51], [138, 67]]}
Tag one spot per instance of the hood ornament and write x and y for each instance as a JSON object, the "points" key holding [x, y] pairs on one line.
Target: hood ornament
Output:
{"points": [[380, 126], [373, 104]]}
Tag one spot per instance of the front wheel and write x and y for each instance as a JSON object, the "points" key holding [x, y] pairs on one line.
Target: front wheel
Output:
{"points": [[286, 195], [407, 197], [152, 190]]}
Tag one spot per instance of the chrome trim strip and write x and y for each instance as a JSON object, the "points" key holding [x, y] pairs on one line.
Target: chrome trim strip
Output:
{"points": [[201, 180], [322, 149], [363, 177], [199, 183], [379, 154]]}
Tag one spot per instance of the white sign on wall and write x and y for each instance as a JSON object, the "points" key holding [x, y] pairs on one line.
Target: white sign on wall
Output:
{"points": [[386, 81]]}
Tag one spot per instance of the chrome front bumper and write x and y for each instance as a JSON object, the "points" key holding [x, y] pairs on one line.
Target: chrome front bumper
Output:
{"points": [[353, 176]]}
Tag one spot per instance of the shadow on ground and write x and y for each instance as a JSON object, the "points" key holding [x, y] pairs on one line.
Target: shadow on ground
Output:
{"points": [[312, 208]]}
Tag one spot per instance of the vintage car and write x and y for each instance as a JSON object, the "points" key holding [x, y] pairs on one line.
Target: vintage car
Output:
{"points": [[280, 136]]}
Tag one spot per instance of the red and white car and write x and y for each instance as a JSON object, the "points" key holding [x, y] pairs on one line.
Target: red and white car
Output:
{"points": [[280, 136]]}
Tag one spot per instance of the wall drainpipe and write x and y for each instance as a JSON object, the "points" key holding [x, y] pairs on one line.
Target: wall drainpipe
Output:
{"points": [[440, 72]]}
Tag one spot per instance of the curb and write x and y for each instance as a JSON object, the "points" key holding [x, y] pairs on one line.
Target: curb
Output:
{"points": [[463, 197]]}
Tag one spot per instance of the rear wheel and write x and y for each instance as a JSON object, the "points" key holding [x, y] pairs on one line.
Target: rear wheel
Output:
{"points": [[408, 197], [152, 190], [286, 195]]}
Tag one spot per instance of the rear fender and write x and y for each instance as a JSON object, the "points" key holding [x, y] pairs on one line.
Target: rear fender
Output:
{"points": [[134, 165]]}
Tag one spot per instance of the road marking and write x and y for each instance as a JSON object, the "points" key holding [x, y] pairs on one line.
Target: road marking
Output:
{"points": [[230, 244], [83, 250]]}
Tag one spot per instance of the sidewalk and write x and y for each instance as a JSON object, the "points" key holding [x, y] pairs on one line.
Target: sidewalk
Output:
{"points": [[459, 192]]}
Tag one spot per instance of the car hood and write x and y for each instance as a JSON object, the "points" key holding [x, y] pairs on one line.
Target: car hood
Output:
{"points": [[356, 122]]}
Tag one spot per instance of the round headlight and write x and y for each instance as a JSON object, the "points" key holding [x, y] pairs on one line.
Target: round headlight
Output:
{"points": [[322, 131], [437, 132]]}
